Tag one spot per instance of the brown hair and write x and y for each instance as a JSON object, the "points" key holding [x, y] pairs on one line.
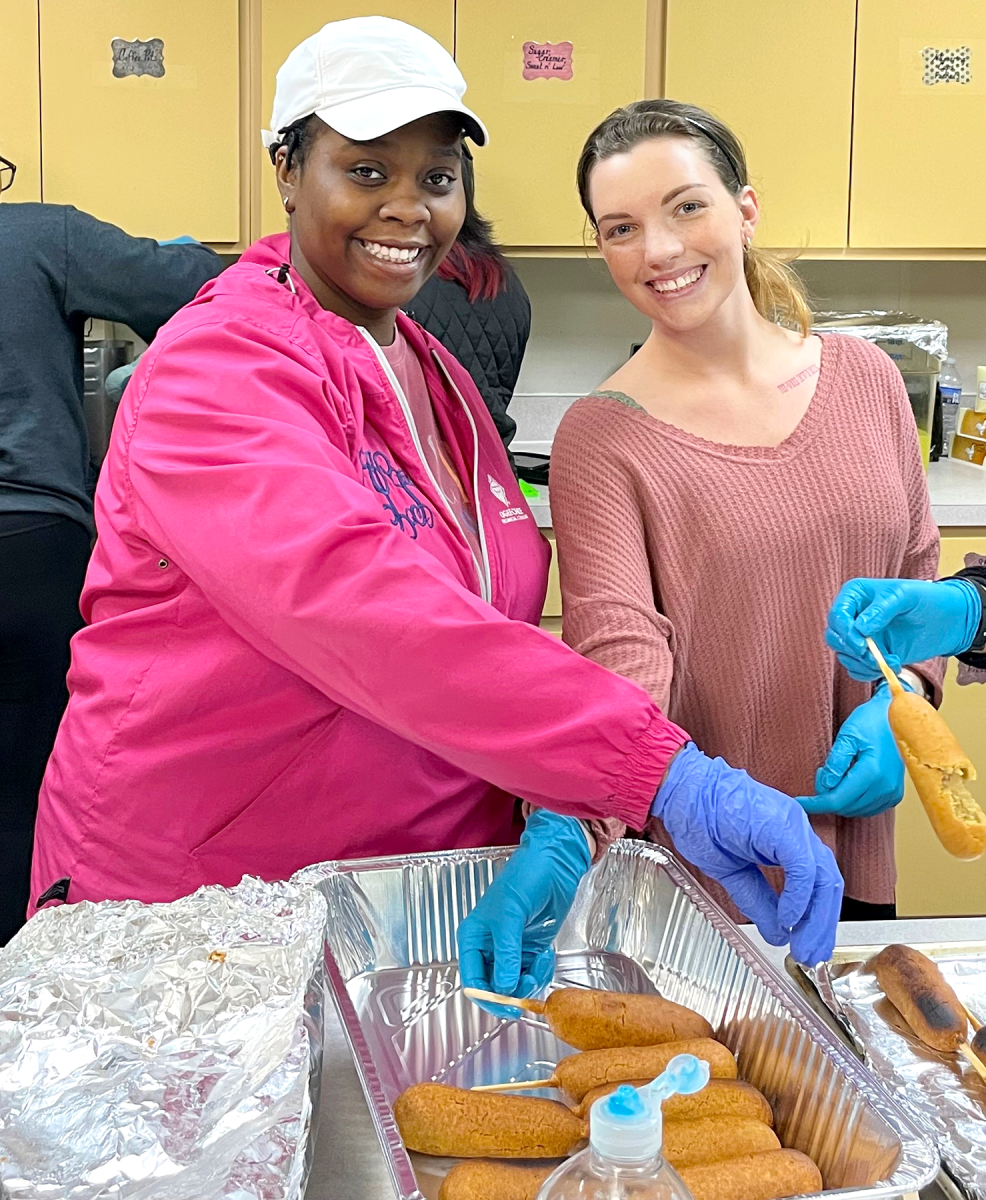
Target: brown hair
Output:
{"points": [[777, 291]]}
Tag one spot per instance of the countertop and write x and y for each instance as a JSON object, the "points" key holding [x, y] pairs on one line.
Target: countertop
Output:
{"points": [[958, 496], [348, 1164]]}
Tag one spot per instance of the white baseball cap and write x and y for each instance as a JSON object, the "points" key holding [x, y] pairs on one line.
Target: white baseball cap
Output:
{"points": [[366, 76]]}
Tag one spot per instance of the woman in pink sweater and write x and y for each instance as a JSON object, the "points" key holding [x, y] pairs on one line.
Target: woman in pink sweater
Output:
{"points": [[712, 496]]}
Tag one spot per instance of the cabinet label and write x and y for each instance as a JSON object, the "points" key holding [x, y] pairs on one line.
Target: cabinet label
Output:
{"points": [[947, 66], [548, 60], [138, 58]]}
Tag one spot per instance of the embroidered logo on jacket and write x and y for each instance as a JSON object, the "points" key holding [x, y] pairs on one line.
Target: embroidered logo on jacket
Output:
{"points": [[407, 510], [507, 515]]}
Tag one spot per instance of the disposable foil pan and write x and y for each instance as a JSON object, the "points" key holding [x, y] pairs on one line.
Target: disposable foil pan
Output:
{"points": [[639, 923], [941, 1091]]}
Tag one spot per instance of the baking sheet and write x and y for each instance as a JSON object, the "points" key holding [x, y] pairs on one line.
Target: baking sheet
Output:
{"points": [[942, 1092], [640, 923]]}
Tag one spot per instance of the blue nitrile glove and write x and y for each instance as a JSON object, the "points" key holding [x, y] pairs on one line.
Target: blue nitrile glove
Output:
{"points": [[864, 772], [729, 826], [910, 620], [505, 942], [183, 240]]}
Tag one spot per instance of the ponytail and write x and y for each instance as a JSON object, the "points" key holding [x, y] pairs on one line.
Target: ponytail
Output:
{"points": [[777, 290]]}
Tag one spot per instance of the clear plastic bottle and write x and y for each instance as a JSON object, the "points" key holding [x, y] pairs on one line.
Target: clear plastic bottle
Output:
{"points": [[950, 384], [624, 1159]]}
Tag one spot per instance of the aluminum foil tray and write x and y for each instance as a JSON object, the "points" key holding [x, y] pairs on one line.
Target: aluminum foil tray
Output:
{"points": [[639, 923], [941, 1091]]}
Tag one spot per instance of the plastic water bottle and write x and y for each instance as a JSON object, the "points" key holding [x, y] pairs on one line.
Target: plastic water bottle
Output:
{"points": [[624, 1159], [950, 386]]}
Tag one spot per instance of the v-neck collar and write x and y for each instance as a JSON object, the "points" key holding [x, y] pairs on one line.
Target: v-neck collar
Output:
{"points": [[797, 439]]}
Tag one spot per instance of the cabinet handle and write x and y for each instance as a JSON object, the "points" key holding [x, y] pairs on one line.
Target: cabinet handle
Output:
{"points": [[947, 66]]}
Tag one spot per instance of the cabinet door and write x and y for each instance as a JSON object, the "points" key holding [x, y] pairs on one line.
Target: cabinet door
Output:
{"points": [[542, 76], [779, 73], [919, 122], [20, 114], [283, 26], [931, 882], [145, 136]]}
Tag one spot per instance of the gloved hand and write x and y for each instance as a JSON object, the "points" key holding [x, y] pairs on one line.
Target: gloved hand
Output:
{"points": [[910, 620], [729, 826], [864, 772], [505, 942]]}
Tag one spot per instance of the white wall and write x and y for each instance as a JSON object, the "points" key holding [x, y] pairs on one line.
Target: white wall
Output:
{"points": [[583, 328]]}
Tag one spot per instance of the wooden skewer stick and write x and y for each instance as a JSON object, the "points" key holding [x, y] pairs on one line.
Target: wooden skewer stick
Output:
{"points": [[534, 1006], [896, 687], [527, 1085], [968, 1053], [974, 1021]]}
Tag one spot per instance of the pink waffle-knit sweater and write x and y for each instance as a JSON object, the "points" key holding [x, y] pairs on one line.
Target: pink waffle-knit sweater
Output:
{"points": [[705, 572]]}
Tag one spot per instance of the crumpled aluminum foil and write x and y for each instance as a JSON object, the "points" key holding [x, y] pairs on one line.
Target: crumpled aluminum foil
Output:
{"points": [[928, 335], [941, 1091], [163, 1051]]}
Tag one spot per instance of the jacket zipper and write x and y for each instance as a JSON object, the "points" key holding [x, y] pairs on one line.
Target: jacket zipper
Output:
{"points": [[484, 574], [475, 477]]}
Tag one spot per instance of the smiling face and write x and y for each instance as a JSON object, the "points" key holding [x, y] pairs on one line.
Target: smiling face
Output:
{"points": [[671, 233], [370, 221]]}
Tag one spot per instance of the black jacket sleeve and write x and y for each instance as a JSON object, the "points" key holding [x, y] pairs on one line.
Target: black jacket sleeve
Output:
{"points": [[977, 577], [115, 277]]}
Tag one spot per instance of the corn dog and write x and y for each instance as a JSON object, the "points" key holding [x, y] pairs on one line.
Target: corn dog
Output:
{"points": [[978, 1044], [436, 1119], [711, 1139], [597, 1020], [580, 1073], [768, 1176], [719, 1097], [493, 1181], [918, 990]]}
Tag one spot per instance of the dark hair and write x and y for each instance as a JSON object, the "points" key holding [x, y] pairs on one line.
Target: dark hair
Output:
{"points": [[777, 292], [297, 139], [475, 261]]}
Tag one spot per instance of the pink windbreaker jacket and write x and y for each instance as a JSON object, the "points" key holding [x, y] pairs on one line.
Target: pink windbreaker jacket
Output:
{"points": [[290, 655]]}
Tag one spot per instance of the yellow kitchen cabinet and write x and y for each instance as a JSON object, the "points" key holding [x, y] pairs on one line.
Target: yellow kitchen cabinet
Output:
{"points": [[920, 101], [20, 113], [779, 73], [283, 26], [143, 135], [552, 599], [930, 881], [581, 62]]}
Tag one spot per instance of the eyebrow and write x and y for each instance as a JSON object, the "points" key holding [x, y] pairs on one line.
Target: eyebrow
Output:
{"points": [[670, 196]]}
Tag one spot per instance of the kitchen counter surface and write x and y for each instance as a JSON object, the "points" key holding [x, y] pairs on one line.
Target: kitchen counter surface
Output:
{"points": [[348, 1164], [958, 496]]}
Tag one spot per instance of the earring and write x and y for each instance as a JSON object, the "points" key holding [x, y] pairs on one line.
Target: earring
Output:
{"points": [[748, 243], [284, 201]]}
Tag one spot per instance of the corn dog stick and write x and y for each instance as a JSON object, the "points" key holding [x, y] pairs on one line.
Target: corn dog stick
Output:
{"points": [[896, 687], [522, 1086], [967, 1053], [534, 1006], [974, 1021]]}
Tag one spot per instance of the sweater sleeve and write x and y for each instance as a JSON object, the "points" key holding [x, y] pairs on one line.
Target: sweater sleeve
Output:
{"points": [[115, 277], [611, 613], [297, 555]]}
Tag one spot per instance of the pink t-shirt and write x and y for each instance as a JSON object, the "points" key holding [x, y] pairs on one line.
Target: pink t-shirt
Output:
{"points": [[405, 365]]}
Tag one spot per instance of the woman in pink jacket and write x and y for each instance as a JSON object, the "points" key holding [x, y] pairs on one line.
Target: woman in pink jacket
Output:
{"points": [[312, 608]]}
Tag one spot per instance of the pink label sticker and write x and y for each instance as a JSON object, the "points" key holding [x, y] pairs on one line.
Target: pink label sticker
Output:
{"points": [[547, 60]]}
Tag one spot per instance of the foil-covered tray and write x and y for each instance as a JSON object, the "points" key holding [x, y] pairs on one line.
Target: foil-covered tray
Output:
{"points": [[639, 923], [163, 1051], [942, 1092]]}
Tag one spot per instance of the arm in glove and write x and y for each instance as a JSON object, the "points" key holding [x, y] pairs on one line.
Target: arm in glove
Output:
{"points": [[910, 620], [505, 942], [729, 826], [864, 773]]}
